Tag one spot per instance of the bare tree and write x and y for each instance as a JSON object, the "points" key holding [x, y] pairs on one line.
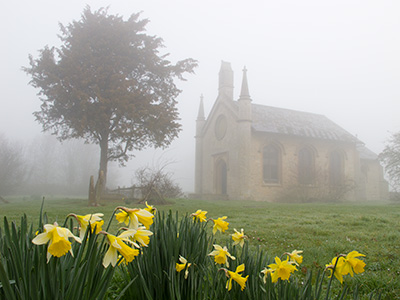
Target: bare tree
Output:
{"points": [[156, 184], [13, 167], [390, 157]]}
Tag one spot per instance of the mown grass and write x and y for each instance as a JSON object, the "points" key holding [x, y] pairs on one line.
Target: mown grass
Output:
{"points": [[320, 230]]}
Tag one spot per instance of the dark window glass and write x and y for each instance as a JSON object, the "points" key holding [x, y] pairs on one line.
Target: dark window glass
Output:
{"points": [[306, 166], [335, 169], [271, 167]]}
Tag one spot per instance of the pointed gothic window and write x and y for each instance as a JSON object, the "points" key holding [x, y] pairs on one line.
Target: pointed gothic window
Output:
{"points": [[306, 167], [271, 164], [221, 177], [335, 169]]}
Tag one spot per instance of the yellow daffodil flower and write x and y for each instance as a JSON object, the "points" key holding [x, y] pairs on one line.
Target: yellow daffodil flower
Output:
{"points": [[237, 277], [94, 220], [57, 237], [199, 215], [182, 266], [117, 245], [220, 224], [352, 263], [295, 257], [238, 238], [281, 269], [348, 264], [140, 235], [133, 217], [151, 209], [221, 255], [266, 272], [339, 268]]}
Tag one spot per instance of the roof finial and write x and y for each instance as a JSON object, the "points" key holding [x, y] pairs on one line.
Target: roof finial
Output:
{"points": [[244, 92], [226, 81], [200, 115]]}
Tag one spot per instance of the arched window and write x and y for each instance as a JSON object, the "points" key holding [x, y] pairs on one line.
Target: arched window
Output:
{"points": [[271, 164], [306, 166], [335, 169]]}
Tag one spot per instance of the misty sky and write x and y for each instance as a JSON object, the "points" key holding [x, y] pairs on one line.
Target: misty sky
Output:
{"points": [[337, 58]]}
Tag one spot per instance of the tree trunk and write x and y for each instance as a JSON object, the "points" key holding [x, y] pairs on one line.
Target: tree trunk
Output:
{"points": [[99, 188], [92, 192], [103, 163]]}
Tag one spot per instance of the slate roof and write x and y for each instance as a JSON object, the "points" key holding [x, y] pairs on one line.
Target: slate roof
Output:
{"points": [[297, 123]]}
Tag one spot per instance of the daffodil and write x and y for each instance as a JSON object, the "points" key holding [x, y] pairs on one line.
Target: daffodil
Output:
{"points": [[220, 225], [141, 235], [353, 264], [238, 238], [117, 245], [336, 267], [132, 217], [199, 215], [221, 255], [151, 209], [266, 272], [237, 277], [281, 269], [57, 237], [343, 265], [94, 220], [182, 266], [295, 257]]}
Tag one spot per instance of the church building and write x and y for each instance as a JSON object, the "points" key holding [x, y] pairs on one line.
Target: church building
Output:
{"points": [[247, 151]]}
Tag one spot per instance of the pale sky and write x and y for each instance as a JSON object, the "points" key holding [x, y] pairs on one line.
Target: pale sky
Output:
{"points": [[337, 58]]}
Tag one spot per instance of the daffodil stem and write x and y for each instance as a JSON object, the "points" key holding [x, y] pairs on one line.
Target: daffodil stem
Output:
{"points": [[112, 216], [330, 281], [66, 219]]}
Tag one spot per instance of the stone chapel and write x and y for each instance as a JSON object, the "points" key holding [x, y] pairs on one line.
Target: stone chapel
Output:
{"points": [[246, 151]]}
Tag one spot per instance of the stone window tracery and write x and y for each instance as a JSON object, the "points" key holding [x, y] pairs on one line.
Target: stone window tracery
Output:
{"points": [[306, 174], [271, 164], [336, 169]]}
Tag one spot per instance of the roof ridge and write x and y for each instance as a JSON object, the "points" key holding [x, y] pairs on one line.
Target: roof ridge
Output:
{"points": [[289, 109]]}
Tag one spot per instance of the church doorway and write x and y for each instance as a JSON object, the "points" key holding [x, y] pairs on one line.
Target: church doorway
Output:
{"points": [[221, 177]]}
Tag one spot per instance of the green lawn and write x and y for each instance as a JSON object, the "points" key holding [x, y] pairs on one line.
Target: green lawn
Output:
{"points": [[320, 230]]}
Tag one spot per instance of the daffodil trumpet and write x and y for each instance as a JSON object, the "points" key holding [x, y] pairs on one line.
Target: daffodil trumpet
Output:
{"points": [[221, 255], [220, 225], [92, 221], [200, 216], [58, 239], [183, 265], [238, 237], [140, 235], [236, 277], [132, 217], [294, 257], [117, 244], [346, 264], [150, 208]]}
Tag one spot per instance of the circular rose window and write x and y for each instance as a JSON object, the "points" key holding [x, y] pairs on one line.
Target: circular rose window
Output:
{"points": [[220, 127]]}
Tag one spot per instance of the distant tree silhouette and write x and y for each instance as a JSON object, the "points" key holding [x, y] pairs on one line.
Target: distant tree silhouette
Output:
{"points": [[390, 157], [13, 167]]}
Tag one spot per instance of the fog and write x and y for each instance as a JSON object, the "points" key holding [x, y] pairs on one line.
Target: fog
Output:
{"points": [[338, 58]]}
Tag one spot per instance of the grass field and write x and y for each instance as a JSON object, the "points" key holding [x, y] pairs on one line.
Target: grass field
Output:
{"points": [[320, 230]]}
